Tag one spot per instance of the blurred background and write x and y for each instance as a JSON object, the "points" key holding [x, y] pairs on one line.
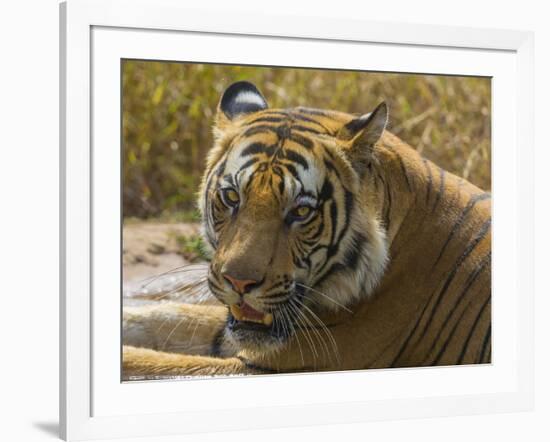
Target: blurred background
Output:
{"points": [[168, 110]]}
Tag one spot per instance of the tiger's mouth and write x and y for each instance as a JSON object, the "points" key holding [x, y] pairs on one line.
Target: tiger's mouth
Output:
{"points": [[244, 312], [251, 329]]}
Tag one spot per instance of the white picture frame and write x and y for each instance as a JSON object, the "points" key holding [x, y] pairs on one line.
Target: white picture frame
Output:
{"points": [[97, 33]]}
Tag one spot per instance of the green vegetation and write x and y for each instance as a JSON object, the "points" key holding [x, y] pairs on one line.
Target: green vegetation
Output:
{"points": [[192, 248], [168, 110]]}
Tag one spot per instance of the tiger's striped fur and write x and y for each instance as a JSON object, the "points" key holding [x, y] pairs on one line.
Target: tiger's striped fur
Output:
{"points": [[401, 247]]}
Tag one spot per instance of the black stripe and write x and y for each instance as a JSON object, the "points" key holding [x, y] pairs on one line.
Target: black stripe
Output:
{"points": [[281, 294], [404, 171], [471, 279], [293, 171], [296, 157], [478, 317], [213, 284], [328, 152], [283, 131], [308, 222], [266, 120], [251, 177], [256, 148], [388, 205], [301, 128], [326, 191], [262, 128], [333, 221], [451, 334], [430, 179], [228, 177], [297, 116], [484, 346], [330, 167], [473, 201], [348, 206], [410, 335], [332, 249], [249, 163], [469, 248], [352, 255], [303, 141], [441, 188], [317, 247], [274, 286], [307, 193], [216, 172], [280, 112], [319, 230], [277, 171], [336, 267], [220, 221]]}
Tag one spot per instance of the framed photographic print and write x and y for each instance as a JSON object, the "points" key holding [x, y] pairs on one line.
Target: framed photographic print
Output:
{"points": [[326, 219]]}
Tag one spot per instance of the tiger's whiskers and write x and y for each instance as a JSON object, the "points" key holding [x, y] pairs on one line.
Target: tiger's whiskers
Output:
{"points": [[323, 326], [324, 295]]}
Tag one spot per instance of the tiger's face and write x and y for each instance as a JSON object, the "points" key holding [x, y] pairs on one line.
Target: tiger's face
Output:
{"points": [[283, 211]]}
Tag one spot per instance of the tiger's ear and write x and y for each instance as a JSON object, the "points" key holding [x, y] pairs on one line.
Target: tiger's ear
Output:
{"points": [[239, 99], [361, 134]]}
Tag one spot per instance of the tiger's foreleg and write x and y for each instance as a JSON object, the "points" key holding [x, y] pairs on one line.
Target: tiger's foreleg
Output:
{"points": [[173, 327], [142, 362]]}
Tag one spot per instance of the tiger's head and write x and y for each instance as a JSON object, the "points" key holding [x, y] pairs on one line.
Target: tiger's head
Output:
{"points": [[286, 211]]}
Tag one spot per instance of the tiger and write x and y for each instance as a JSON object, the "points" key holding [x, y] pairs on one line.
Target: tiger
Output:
{"points": [[334, 246]]}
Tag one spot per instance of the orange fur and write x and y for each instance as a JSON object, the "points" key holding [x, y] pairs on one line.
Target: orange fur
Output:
{"points": [[432, 302]]}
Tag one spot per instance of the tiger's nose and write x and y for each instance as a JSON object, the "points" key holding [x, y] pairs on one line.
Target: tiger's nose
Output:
{"points": [[241, 286]]}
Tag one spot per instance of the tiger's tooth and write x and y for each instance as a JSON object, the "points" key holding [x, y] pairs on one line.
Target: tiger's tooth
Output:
{"points": [[239, 315], [236, 312], [267, 319]]}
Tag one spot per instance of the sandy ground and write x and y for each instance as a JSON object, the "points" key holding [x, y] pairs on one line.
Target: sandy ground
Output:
{"points": [[152, 261], [150, 248]]}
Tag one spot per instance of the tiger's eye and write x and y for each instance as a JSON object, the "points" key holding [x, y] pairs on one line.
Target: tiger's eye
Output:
{"points": [[230, 197], [301, 212]]}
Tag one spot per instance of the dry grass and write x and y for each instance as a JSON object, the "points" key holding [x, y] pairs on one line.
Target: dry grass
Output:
{"points": [[168, 110]]}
